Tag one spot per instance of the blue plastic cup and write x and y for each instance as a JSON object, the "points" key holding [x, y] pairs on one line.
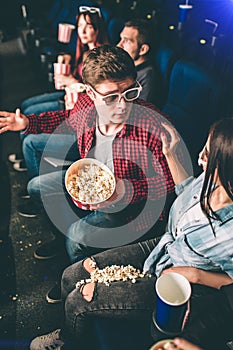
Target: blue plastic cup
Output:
{"points": [[173, 293]]}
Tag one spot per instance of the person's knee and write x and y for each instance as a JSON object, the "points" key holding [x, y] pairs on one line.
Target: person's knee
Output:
{"points": [[89, 264], [28, 146], [73, 274], [69, 277], [33, 186], [87, 291], [73, 247]]}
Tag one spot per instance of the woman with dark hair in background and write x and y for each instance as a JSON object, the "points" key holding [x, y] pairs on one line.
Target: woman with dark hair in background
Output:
{"points": [[92, 33]]}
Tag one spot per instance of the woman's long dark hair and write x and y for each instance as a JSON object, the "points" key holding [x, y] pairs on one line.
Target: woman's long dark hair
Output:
{"points": [[99, 25], [221, 159]]}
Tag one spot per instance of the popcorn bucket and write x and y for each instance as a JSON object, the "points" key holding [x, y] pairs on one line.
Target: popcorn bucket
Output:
{"points": [[64, 32], [72, 93], [61, 68], [161, 345], [89, 182]]}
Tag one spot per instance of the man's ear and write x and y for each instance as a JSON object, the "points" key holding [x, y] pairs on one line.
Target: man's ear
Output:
{"points": [[144, 49], [90, 93]]}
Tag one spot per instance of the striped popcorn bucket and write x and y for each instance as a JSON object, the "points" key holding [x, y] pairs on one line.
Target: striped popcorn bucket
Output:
{"points": [[64, 32], [60, 68]]}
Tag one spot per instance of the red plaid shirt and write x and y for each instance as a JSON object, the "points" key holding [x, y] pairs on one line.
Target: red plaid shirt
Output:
{"points": [[137, 148]]}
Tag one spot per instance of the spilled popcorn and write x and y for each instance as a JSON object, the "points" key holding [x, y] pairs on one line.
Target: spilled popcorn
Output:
{"points": [[113, 273]]}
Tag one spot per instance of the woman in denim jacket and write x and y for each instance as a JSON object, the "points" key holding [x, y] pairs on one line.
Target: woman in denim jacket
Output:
{"points": [[198, 244]]}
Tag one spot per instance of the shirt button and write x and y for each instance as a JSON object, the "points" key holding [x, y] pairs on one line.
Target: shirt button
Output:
{"points": [[195, 197]]}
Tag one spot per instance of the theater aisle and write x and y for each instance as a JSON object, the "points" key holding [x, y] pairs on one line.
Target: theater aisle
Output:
{"points": [[24, 281]]}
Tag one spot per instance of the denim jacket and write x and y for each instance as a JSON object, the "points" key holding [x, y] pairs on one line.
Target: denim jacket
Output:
{"points": [[197, 246]]}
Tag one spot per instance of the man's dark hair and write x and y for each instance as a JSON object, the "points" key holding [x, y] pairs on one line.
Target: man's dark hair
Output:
{"points": [[107, 62], [145, 31]]}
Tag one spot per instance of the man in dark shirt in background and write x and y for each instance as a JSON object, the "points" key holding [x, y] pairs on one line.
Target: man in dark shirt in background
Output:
{"points": [[138, 39]]}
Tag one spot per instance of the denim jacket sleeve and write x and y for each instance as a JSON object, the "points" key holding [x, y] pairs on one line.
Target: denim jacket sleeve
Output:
{"points": [[182, 186], [159, 259], [159, 255]]}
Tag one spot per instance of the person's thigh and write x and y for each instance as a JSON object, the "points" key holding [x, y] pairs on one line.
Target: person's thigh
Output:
{"points": [[120, 300], [134, 255], [60, 144], [42, 107], [210, 321], [47, 184], [47, 97], [49, 192], [95, 232], [51, 144]]}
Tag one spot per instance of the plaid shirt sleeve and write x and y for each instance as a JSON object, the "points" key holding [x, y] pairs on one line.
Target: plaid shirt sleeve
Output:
{"points": [[75, 118], [46, 122]]}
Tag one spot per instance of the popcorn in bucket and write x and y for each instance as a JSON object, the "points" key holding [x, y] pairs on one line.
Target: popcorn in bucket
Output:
{"points": [[72, 93], [162, 345], [89, 182]]}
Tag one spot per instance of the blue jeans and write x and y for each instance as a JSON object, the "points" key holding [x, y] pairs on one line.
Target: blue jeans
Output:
{"points": [[120, 300], [86, 232], [127, 301], [36, 146], [42, 103]]}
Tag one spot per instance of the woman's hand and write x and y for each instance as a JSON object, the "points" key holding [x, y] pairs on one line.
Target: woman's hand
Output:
{"points": [[191, 273], [12, 121], [169, 147], [199, 276]]}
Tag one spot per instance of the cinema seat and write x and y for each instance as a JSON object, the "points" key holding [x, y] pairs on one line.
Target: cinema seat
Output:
{"points": [[193, 103]]}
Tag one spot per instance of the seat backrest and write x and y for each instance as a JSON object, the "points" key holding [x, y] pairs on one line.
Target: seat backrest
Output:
{"points": [[164, 60], [54, 9], [193, 102], [115, 26]]}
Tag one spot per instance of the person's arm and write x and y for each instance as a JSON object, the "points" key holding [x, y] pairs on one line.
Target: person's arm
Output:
{"points": [[199, 276], [169, 148], [12, 121]]}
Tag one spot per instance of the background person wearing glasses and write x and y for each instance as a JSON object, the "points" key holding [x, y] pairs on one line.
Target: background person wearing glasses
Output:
{"points": [[91, 32], [137, 38], [122, 131]]}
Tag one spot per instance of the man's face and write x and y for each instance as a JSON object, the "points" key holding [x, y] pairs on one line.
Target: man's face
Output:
{"points": [[116, 113], [129, 42]]}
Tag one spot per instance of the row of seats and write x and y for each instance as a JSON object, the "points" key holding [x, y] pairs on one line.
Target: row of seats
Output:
{"points": [[183, 90]]}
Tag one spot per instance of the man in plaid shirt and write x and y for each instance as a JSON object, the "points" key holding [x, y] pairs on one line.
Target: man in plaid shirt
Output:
{"points": [[121, 131]]}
